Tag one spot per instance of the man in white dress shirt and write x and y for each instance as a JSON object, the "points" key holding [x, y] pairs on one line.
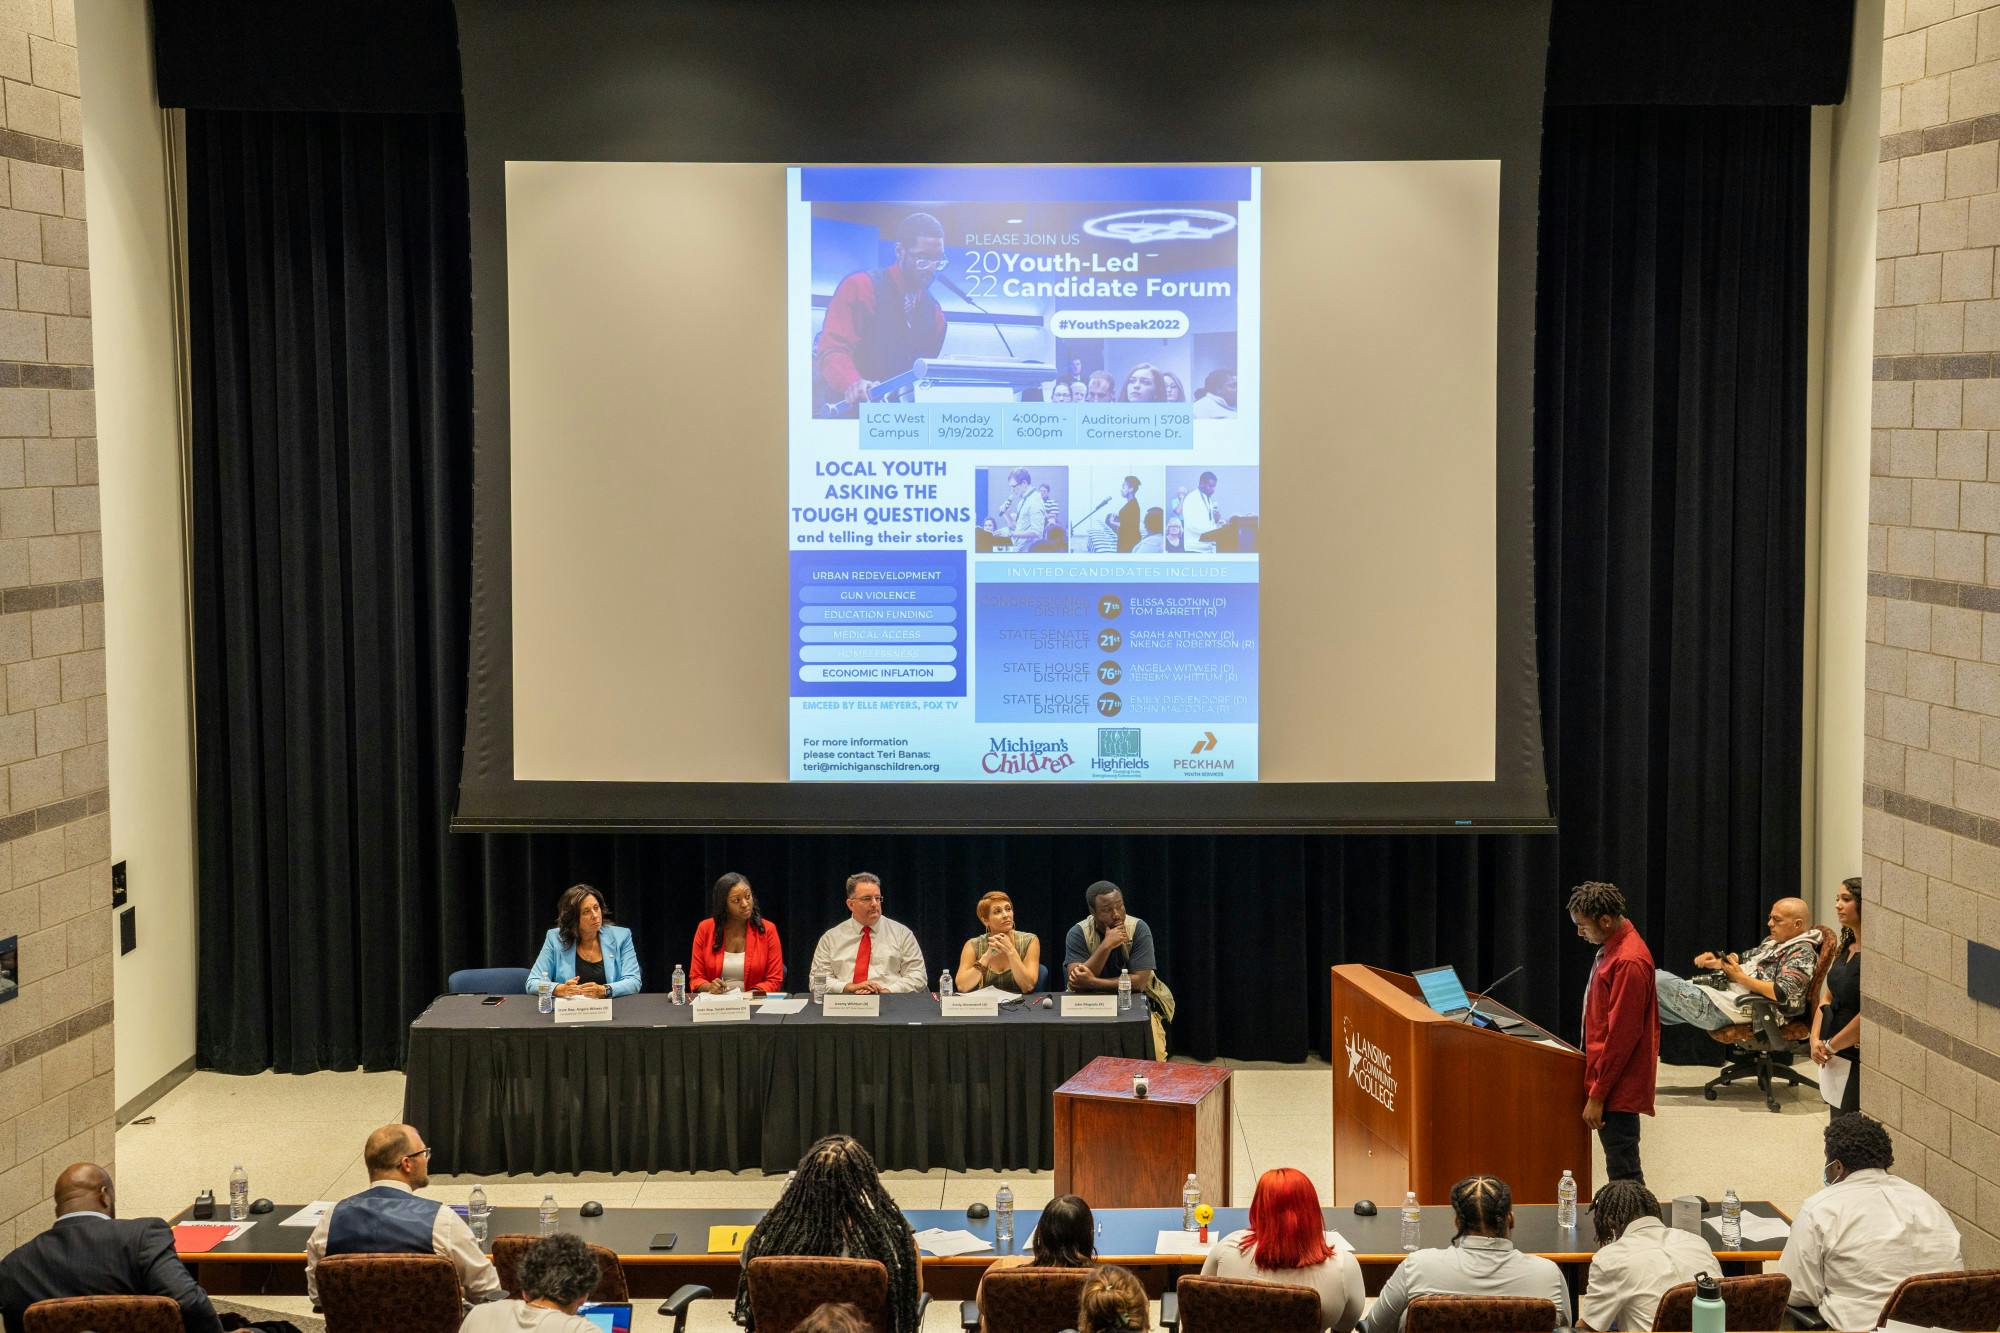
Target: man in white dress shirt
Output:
{"points": [[1199, 515], [868, 954], [1855, 1240], [390, 1217], [1639, 1259]]}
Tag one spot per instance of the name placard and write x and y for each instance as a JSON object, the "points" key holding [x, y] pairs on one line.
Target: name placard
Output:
{"points": [[852, 1006], [1090, 1006], [582, 1009], [979, 1004], [731, 1007]]}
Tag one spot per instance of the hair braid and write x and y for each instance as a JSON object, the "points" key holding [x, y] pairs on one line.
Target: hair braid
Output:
{"points": [[1620, 1203], [1481, 1204], [835, 1206]]}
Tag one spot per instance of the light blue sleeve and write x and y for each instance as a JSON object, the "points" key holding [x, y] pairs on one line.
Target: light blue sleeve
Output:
{"points": [[1386, 1314], [628, 966], [543, 973]]}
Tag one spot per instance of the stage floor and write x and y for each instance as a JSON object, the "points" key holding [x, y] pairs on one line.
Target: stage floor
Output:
{"points": [[300, 1136]]}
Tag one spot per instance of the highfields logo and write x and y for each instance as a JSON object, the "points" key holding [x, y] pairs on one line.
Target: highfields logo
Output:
{"points": [[1368, 1066], [1015, 757]]}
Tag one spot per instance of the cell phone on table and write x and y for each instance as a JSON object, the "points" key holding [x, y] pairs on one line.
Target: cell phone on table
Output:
{"points": [[665, 1240], [493, 999]]}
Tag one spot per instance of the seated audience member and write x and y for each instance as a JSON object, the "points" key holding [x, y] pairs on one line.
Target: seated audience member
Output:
{"points": [[736, 948], [88, 1251], [1218, 395], [1171, 388], [1098, 388], [583, 953], [1003, 957], [1113, 1302], [1286, 1242], [558, 1273], [1066, 1237], [835, 1317], [1639, 1257], [1779, 969], [389, 1218], [1855, 1240], [1154, 541], [1059, 392], [1480, 1261], [1175, 542], [1108, 942], [834, 1205], [868, 954]]}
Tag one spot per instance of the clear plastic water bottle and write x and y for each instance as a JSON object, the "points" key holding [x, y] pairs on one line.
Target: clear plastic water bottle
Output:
{"points": [[1732, 1220], [1413, 1222], [1566, 1202], [1124, 988], [944, 983], [545, 998], [550, 1213], [680, 984], [239, 1195], [478, 1214], [1190, 1200], [1003, 1217], [818, 987]]}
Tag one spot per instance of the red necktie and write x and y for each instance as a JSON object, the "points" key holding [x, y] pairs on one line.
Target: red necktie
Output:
{"points": [[861, 958]]}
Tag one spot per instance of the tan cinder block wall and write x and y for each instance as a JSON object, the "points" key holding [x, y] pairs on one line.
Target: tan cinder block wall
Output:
{"points": [[56, 1103], [1931, 829]]}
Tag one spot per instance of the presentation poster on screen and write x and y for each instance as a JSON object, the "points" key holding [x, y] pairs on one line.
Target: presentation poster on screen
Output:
{"points": [[1024, 473]]}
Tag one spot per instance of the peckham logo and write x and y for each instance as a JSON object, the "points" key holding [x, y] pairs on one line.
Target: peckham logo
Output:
{"points": [[1149, 226]]}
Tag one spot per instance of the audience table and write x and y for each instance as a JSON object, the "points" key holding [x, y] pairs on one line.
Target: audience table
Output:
{"points": [[500, 1089], [270, 1259]]}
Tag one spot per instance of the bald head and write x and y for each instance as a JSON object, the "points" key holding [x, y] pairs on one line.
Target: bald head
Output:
{"points": [[84, 1188], [1787, 919], [397, 1152]]}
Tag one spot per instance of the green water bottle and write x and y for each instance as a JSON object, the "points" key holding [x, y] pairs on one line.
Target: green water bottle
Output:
{"points": [[1708, 1307]]}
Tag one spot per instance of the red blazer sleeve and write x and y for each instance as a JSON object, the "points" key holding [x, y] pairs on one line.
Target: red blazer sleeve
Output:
{"points": [[768, 972], [705, 962]]}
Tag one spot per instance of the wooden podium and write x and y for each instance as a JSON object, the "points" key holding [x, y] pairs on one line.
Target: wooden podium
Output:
{"points": [[1420, 1101], [1121, 1151]]}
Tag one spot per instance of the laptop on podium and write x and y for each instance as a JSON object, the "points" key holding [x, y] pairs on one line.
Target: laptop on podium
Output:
{"points": [[1444, 992]]}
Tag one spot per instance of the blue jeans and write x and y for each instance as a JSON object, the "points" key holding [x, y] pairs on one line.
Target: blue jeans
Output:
{"points": [[1681, 1001]]}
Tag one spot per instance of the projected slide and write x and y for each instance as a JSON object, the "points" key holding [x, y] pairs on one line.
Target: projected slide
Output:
{"points": [[1024, 473]]}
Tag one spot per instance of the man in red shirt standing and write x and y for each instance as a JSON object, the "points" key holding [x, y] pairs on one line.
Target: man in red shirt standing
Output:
{"points": [[1621, 1027], [878, 323]]}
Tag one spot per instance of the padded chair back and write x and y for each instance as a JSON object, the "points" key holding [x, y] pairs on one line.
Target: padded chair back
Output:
{"points": [[412, 1293], [1799, 1028], [104, 1314], [1756, 1301], [1480, 1314], [1968, 1300], [1222, 1305], [1031, 1300], [487, 981], [783, 1291], [510, 1250]]}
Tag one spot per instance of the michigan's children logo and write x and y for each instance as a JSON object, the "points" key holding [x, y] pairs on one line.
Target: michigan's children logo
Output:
{"points": [[1012, 756]]}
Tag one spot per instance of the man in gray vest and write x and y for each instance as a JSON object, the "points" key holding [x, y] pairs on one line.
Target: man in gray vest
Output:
{"points": [[390, 1218]]}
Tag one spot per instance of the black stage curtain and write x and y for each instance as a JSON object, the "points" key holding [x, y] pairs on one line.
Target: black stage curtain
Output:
{"points": [[332, 494]]}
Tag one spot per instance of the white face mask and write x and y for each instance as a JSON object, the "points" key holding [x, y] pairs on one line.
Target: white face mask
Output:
{"points": [[1827, 1177]]}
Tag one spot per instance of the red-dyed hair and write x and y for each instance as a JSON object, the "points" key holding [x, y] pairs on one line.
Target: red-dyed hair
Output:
{"points": [[1285, 1221]]}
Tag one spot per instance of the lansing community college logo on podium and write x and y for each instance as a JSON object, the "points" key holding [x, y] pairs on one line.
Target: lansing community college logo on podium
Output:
{"points": [[1368, 1066]]}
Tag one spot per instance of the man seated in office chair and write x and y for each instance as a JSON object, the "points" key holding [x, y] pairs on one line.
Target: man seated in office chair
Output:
{"points": [[1780, 969], [390, 1217]]}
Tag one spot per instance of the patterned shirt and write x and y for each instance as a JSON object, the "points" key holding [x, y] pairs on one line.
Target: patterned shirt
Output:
{"points": [[1788, 966]]}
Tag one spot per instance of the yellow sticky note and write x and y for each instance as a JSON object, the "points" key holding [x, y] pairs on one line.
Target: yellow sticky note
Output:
{"points": [[729, 1240]]}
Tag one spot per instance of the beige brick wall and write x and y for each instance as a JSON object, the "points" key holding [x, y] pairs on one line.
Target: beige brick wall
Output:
{"points": [[56, 1102], [1931, 829]]}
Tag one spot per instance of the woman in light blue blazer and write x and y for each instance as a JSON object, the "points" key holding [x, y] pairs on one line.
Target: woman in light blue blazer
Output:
{"points": [[585, 954]]}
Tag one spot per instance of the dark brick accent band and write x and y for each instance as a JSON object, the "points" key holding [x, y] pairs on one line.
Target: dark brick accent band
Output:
{"points": [[1901, 587], [58, 1034], [49, 596], [1978, 828], [1957, 366], [37, 375], [55, 153], [55, 814], [1954, 1049], [1955, 134]]}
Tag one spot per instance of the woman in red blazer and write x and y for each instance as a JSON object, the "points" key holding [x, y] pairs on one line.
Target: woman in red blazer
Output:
{"points": [[735, 928]]}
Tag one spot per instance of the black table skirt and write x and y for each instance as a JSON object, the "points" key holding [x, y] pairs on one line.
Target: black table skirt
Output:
{"points": [[500, 1090]]}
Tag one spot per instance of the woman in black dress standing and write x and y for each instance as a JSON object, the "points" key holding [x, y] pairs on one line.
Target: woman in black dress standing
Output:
{"points": [[1836, 1027]]}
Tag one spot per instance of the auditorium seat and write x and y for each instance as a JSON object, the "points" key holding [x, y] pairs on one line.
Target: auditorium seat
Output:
{"points": [[412, 1293], [1480, 1314], [1755, 1046], [1026, 1300], [1221, 1305], [784, 1290], [509, 1250], [487, 981], [1756, 1301], [104, 1314], [1969, 1300]]}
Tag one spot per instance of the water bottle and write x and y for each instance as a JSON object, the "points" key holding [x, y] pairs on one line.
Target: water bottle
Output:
{"points": [[1003, 1217], [1413, 1222], [1709, 1312], [1732, 1220], [549, 1214], [545, 998], [1190, 1200], [1124, 988], [1566, 1202], [477, 1214], [680, 984], [239, 1195], [944, 983]]}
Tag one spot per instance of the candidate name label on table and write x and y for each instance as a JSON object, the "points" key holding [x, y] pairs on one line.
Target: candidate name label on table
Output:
{"points": [[979, 1004], [730, 1008], [1090, 1006], [852, 1006], [577, 1009]]}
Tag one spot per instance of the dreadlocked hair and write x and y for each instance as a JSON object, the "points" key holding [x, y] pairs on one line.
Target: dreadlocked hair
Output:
{"points": [[1594, 898], [835, 1206], [1481, 1204], [1112, 1301], [1617, 1205]]}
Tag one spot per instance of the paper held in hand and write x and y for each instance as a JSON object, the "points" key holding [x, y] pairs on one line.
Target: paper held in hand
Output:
{"points": [[580, 1009]]}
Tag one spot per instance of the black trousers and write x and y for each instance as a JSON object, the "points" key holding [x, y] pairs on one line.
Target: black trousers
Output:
{"points": [[1620, 1137]]}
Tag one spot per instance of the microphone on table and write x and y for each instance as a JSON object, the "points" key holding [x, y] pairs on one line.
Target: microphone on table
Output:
{"points": [[959, 292]]}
